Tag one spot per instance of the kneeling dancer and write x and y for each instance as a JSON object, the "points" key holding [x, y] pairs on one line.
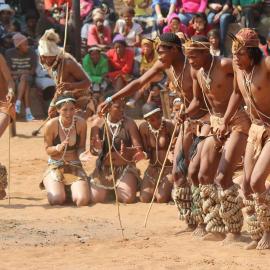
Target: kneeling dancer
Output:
{"points": [[65, 138], [252, 71], [213, 84], [126, 149], [156, 133]]}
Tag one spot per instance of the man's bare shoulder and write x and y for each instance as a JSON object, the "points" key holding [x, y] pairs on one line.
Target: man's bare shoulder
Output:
{"points": [[143, 127], [193, 73], [52, 123], [226, 64], [130, 122]]}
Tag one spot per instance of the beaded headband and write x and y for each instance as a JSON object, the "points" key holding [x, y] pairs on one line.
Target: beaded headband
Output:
{"points": [[65, 100], [151, 112], [196, 45]]}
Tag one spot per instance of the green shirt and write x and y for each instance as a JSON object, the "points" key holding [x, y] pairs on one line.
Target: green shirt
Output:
{"points": [[243, 3], [95, 72]]}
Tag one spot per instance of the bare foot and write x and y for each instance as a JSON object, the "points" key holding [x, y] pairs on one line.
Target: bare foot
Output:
{"points": [[231, 238], [190, 228], [2, 194], [264, 243], [200, 231], [214, 237], [252, 245]]}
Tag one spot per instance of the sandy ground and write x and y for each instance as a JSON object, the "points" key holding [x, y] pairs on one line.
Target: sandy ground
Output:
{"points": [[35, 235]]}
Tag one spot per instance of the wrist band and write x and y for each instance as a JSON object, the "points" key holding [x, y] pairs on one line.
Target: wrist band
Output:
{"points": [[108, 100]]}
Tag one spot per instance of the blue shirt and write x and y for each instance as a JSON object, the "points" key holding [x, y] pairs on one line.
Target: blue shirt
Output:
{"points": [[163, 3]]}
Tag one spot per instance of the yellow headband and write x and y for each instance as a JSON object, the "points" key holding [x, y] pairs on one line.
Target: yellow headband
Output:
{"points": [[196, 45]]}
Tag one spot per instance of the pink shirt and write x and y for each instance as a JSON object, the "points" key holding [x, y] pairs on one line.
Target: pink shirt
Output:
{"points": [[194, 6], [93, 36]]}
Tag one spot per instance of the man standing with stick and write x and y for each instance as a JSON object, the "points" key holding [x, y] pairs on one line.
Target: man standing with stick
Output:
{"points": [[67, 73]]}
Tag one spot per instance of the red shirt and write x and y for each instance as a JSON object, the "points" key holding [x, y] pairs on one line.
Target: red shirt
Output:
{"points": [[48, 4], [93, 36], [120, 66], [191, 31]]}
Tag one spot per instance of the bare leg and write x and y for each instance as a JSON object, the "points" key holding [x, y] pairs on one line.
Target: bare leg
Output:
{"points": [[21, 88], [55, 192], [258, 177], [80, 193], [164, 191], [26, 95], [208, 168], [231, 155], [4, 120], [147, 190], [98, 195], [127, 188]]}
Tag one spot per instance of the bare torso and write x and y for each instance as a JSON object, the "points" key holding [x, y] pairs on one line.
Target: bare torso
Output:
{"points": [[156, 146], [259, 89], [221, 85]]}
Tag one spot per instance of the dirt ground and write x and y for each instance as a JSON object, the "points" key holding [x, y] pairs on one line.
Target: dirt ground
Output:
{"points": [[35, 235]]}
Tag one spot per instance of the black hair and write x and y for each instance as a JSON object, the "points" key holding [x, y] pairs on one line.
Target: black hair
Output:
{"points": [[200, 15], [61, 97], [214, 33], [255, 54], [172, 38], [31, 14]]}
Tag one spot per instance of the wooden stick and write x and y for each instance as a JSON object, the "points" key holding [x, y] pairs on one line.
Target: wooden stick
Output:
{"points": [[161, 171], [113, 177], [9, 158]]}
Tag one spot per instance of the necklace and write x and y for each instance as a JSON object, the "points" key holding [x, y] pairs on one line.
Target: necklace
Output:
{"points": [[206, 77], [248, 77], [154, 131], [67, 130], [181, 77]]}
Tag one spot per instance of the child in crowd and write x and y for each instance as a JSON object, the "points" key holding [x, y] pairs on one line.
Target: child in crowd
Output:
{"points": [[96, 66], [148, 59], [127, 28], [98, 33], [22, 62], [121, 60], [199, 25], [175, 25], [154, 94], [141, 7], [214, 39]]}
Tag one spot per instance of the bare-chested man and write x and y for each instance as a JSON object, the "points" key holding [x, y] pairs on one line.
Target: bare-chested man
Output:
{"points": [[213, 83], [67, 73], [156, 133], [7, 112], [252, 72], [172, 60]]}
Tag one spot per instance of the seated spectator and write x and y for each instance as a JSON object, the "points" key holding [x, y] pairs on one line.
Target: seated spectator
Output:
{"points": [[250, 10], [148, 59], [127, 28], [154, 95], [99, 33], [6, 42], [189, 8], [45, 83], [220, 14], [22, 63], [57, 9], [141, 7], [85, 7], [175, 25], [29, 31], [6, 22], [214, 39], [121, 61], [96, 66], [163, 9], [199, 25]]}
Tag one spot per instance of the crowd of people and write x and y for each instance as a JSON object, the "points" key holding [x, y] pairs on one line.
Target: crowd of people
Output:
{"points": [[205, 115]]}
